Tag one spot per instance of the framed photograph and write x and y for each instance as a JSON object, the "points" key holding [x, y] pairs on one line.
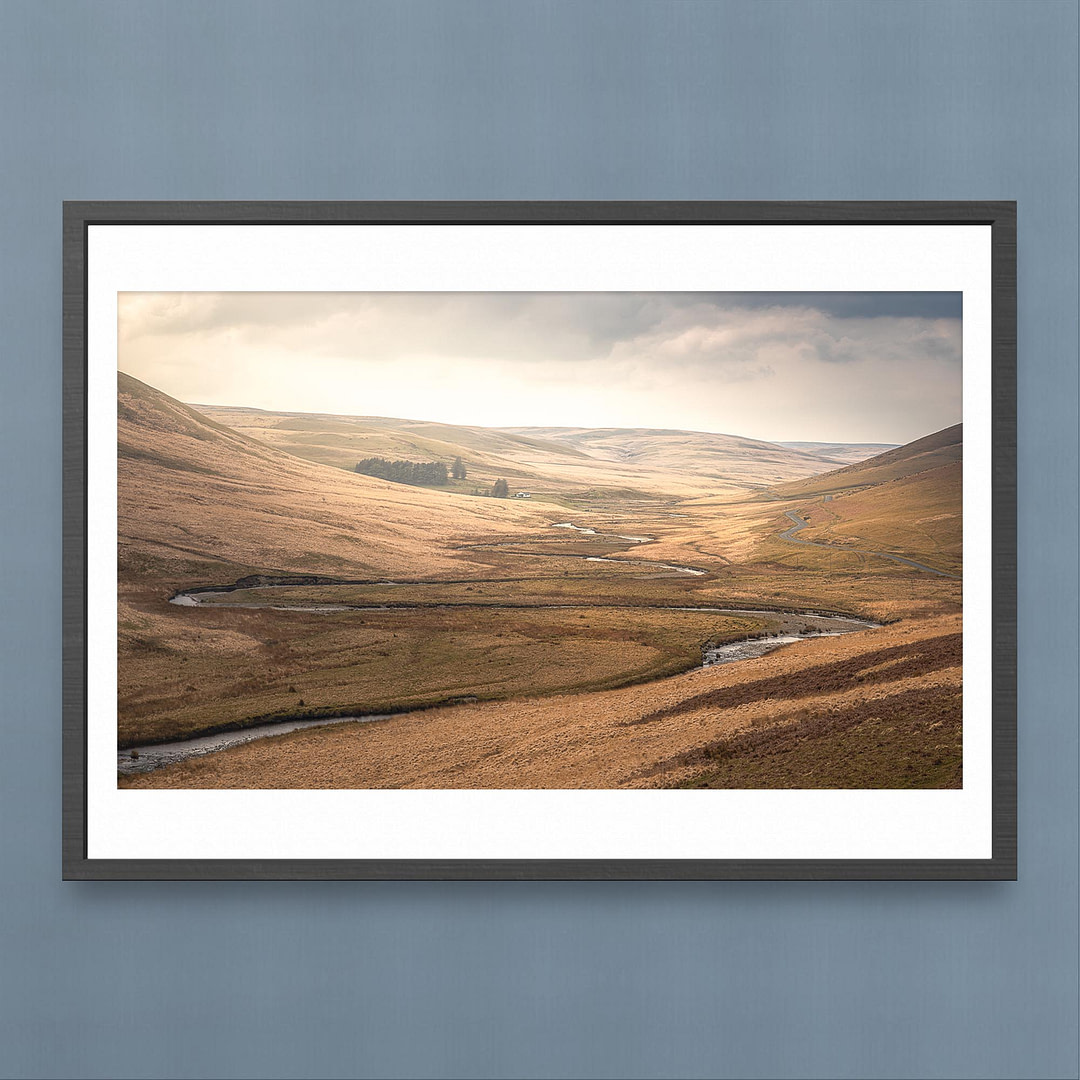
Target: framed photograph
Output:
{"points": [[539, 540]]}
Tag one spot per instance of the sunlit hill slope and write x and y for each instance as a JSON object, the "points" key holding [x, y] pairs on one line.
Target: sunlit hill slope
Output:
{"points": [[197, 499]]}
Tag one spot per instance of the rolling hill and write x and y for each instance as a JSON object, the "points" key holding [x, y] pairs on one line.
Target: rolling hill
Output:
{"points": [[553, 461], [718, 456]]}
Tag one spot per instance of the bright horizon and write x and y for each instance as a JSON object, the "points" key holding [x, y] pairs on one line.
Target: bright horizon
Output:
{"points": [[511, 427], [778, 367]]}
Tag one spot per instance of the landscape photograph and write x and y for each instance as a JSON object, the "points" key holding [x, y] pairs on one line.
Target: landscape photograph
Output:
{"points": [[539, 540]]}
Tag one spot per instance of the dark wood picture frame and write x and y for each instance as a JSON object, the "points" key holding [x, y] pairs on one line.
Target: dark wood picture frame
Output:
{"points": [[1000, 216]]}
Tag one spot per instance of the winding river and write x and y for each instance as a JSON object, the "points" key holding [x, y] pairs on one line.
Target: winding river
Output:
{"points": [[788, 627], [782, 628]]}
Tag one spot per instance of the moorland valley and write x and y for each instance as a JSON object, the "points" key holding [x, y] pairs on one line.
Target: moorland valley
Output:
{"points": [[644, 608]]}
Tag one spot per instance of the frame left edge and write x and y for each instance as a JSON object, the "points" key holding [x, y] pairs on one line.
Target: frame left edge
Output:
{"points": [[74, 543]]}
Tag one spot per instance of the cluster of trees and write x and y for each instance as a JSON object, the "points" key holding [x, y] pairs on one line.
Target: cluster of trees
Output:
{"points": [[419, 473], [423, 473]]}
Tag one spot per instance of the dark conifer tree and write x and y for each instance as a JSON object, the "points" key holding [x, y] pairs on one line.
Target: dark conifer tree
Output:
{"points": [[418, 473]]}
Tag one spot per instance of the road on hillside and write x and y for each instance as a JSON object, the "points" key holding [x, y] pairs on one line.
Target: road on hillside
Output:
{"points": [[802, 523]]}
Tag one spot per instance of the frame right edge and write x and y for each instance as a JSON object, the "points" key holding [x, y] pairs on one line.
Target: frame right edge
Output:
{"points": [[1003, 541]]}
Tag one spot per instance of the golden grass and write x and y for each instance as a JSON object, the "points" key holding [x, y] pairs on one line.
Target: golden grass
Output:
{"points": [[907, 739], [916, 516], [596, 739], [209, 668], [196, 500]]}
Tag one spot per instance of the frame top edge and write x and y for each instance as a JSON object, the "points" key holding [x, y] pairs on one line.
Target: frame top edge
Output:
{"points": [[700, 212]]}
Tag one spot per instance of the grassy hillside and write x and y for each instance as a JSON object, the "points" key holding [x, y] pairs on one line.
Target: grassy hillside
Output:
{"points": [[907, 502], [917, 516]]}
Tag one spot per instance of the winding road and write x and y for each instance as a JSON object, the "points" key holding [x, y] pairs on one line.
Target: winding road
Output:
{"points": [[802, 523]]}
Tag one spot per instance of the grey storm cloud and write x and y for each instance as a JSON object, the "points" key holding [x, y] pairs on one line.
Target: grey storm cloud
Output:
{"points": [[555, 325], [855, 305], [551, 327]]}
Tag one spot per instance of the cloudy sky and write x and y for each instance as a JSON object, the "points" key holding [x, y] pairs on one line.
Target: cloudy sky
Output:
{"points": [[845, 367]]}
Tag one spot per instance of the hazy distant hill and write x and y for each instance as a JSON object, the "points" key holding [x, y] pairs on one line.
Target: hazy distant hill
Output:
{"points": [[727, 456], [845, 453], [341, 441], [544, 459]]}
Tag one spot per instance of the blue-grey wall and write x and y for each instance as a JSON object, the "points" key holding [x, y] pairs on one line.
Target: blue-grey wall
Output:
{"points": [[588, 100]]}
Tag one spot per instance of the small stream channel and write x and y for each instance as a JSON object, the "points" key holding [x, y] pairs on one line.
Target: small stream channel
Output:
{"points": [[143, 759], [648, 564]]}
